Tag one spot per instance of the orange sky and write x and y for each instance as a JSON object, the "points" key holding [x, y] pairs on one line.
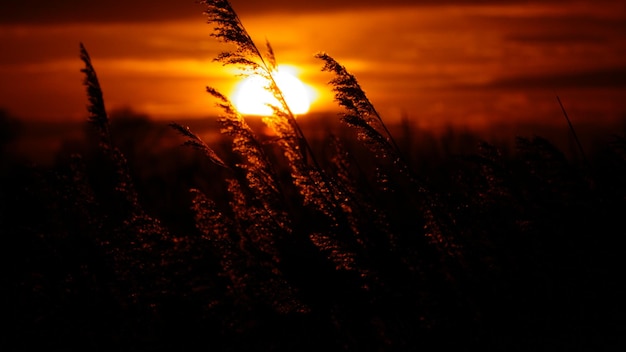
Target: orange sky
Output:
{"points": [[437, 62]]}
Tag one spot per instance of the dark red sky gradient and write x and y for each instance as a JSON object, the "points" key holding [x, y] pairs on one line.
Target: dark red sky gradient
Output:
{"points": [[80, 11], [437, 62]]}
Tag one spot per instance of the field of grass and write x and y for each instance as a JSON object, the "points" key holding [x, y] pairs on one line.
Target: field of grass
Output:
{"points": [[285, 235]]}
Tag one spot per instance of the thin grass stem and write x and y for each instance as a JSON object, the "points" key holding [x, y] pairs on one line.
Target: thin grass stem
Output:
{"points": [[571, 127]]}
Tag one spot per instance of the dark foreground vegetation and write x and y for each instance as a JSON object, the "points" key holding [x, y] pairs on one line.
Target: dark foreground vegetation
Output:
{"points": [[354, 239], [515, 251]]}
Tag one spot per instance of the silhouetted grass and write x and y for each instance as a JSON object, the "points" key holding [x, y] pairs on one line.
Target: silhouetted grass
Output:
{"points": [[354, 240]]}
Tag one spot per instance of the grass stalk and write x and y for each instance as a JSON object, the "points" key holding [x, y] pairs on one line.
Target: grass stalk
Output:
{"points": [[571, 127]]}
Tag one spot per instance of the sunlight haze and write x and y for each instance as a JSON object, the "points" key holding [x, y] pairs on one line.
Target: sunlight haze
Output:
{"points": [[453, 62], [252, 95]]}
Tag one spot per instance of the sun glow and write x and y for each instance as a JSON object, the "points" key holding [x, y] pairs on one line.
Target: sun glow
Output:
{"points": [[251, 97]]}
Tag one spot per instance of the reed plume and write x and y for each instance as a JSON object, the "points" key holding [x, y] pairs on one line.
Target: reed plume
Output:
{"points": [[135, 235], [313, 184], [194, 141], [360, 113], [246, 250], [97, 112], [259, 171], [98, 117]]}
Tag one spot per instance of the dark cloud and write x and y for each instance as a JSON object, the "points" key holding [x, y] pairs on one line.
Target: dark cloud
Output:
{"points": [[614, 77], [561, 29], [327, 5], [573, 23], [557, 38], [82, 11]]}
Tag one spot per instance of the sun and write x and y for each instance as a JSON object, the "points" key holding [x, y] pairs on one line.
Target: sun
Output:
{"points": [[252, 98]]}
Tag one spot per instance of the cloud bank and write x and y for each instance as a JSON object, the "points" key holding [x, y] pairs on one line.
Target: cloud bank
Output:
{"points": [[80, 11]]}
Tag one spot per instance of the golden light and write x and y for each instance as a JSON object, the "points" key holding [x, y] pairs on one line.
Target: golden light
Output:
{"points": [[251, 96]]}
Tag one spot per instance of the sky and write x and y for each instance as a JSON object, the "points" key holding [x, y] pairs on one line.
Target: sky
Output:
{"points": [[458, 62]]}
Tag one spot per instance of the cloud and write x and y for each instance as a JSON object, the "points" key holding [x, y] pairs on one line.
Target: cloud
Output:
{"points": [[557, 38], [556, 30], [614, 77], [565, 22], [40, 44], [81, 11]]}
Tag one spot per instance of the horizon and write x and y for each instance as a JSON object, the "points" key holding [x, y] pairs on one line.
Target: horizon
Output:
{"points": [[42, 141]]}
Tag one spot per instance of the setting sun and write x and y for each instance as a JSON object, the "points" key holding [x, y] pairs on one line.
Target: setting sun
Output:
{"points": [[251, 97]]}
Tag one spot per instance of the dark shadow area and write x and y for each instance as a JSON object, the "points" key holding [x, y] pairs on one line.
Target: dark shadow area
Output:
{"points": [[516, 246]]}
